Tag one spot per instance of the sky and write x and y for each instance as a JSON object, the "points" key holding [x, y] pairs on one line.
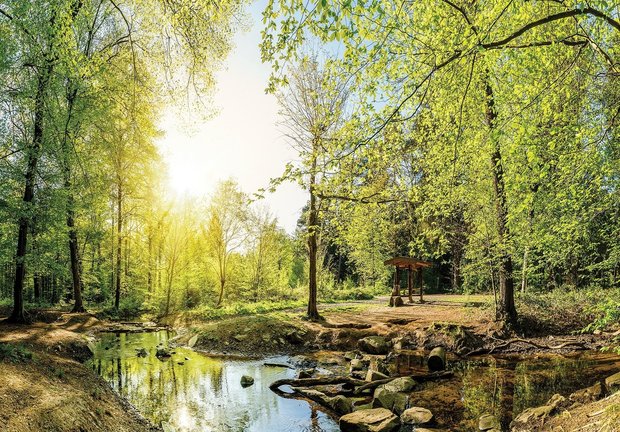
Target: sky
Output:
{"points": [[243, 141]]}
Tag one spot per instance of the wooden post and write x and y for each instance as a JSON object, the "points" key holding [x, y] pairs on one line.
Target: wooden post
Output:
{"points": [[410, 282], [421, 284], [395, 299]]}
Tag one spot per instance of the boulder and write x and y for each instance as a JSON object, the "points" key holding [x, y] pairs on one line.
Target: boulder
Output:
{"points": [[306, 373], [372, 420], [588, 394], [357, 364], [374, 345], [523, 422], [341, 404], [402, 384], [246, 381], [240, 337], [487, 422], [384, 397], [350, 355], [612, 383], [373, 375], [416, 416]]}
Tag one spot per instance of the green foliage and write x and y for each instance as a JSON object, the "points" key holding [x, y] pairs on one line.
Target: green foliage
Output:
{"points": [[207, 313], [14, 353]]}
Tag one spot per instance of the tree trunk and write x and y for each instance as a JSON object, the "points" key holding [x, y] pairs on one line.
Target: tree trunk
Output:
{"points": [[313, 312], [119, 243], [506, 311], [524, 271], [32, 157], [74, 253], [221, 296]]}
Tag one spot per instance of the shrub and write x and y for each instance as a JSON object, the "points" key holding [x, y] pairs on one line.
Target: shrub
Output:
{"points": [[14, 353]]}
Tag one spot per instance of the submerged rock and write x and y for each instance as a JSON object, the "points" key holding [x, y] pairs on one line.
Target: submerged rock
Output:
{"points": [[416, 416], [163, 353], [141, 352], [246, 381], [372, 420], [374, 345]]}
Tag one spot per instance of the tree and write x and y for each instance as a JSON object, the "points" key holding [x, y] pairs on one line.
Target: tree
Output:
{"points": [[226, 231], [313, 109]]}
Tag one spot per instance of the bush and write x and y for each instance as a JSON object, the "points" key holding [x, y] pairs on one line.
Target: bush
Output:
{"points": [[129, 308], [238, 309], [14, 353]]}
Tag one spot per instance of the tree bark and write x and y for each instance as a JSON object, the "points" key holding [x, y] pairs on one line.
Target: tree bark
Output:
{"points": [[32, 159], [119, 243], [312, 313], [506, 311]]}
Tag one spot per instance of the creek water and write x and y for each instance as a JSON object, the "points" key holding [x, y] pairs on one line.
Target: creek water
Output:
{"points": [[191, 391]]}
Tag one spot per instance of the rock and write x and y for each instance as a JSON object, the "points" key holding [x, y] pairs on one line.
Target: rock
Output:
{"points": [[589, 394], [180, 363], [162, 353], [398, 343], [306, 373], [357, 365], [374, 345], [240, 337], [378, 364], [612, 383], [402, 384], [523, 420], [141, 352], [192, 341], [246, 381], [395, 401], [294, 337], [416, 416], [373, 375], [350, 355], [341, 404], [372, 420], [487, 422]]}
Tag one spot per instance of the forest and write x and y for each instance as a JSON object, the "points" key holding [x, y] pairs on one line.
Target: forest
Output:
{"points": [[480, 136]]}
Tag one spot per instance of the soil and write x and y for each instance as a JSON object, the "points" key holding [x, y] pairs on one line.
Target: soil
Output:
{"points": [[53, 391]]}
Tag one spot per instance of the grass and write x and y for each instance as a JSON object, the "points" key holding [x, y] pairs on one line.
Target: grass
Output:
{"points": [[14, 353]]}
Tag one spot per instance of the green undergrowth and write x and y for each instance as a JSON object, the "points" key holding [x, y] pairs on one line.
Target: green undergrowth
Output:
{"points": [[14, 353], [566, 311], [208, 313]]}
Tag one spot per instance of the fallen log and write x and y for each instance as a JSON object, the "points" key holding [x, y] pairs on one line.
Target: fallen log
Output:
{"points": [[311, 382], [282, 365], [437, 359]]}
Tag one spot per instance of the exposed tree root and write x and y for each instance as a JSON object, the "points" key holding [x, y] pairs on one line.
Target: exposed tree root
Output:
{"points": [[576, 344]]}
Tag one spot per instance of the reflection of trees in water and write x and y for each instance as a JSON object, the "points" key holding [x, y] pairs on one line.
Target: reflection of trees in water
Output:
{"points": [[203, 391]]}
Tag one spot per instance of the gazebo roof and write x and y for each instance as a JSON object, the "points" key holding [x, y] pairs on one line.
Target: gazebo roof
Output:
{"points": [[401, 261]]}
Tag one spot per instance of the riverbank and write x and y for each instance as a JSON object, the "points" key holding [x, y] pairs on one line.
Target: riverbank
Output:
{"points": [[49, 389], [45, 387]]}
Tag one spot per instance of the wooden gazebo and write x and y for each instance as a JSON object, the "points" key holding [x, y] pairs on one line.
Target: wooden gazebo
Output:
{"points": [[412, 265]]}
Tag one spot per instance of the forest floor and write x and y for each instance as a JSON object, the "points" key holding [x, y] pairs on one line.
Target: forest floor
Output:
{"points": [[45, 387]]}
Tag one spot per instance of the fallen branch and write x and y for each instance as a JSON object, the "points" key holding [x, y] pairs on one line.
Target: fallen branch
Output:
{"points": [[282, 365], [525, 341], [311, 382], [420, 378]]}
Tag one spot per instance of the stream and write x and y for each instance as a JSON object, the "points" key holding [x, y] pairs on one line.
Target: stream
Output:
{"points": [[191, 391]]}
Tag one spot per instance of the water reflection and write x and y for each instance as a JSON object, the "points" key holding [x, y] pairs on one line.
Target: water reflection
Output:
{"points": [[503, 385], [193, 392]]}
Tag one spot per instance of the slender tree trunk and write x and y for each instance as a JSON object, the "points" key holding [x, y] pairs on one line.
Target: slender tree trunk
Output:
{"points": [[313, 312], [32, 159], [119, 243], [74, 254], [524, 271], [506, 311]]}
